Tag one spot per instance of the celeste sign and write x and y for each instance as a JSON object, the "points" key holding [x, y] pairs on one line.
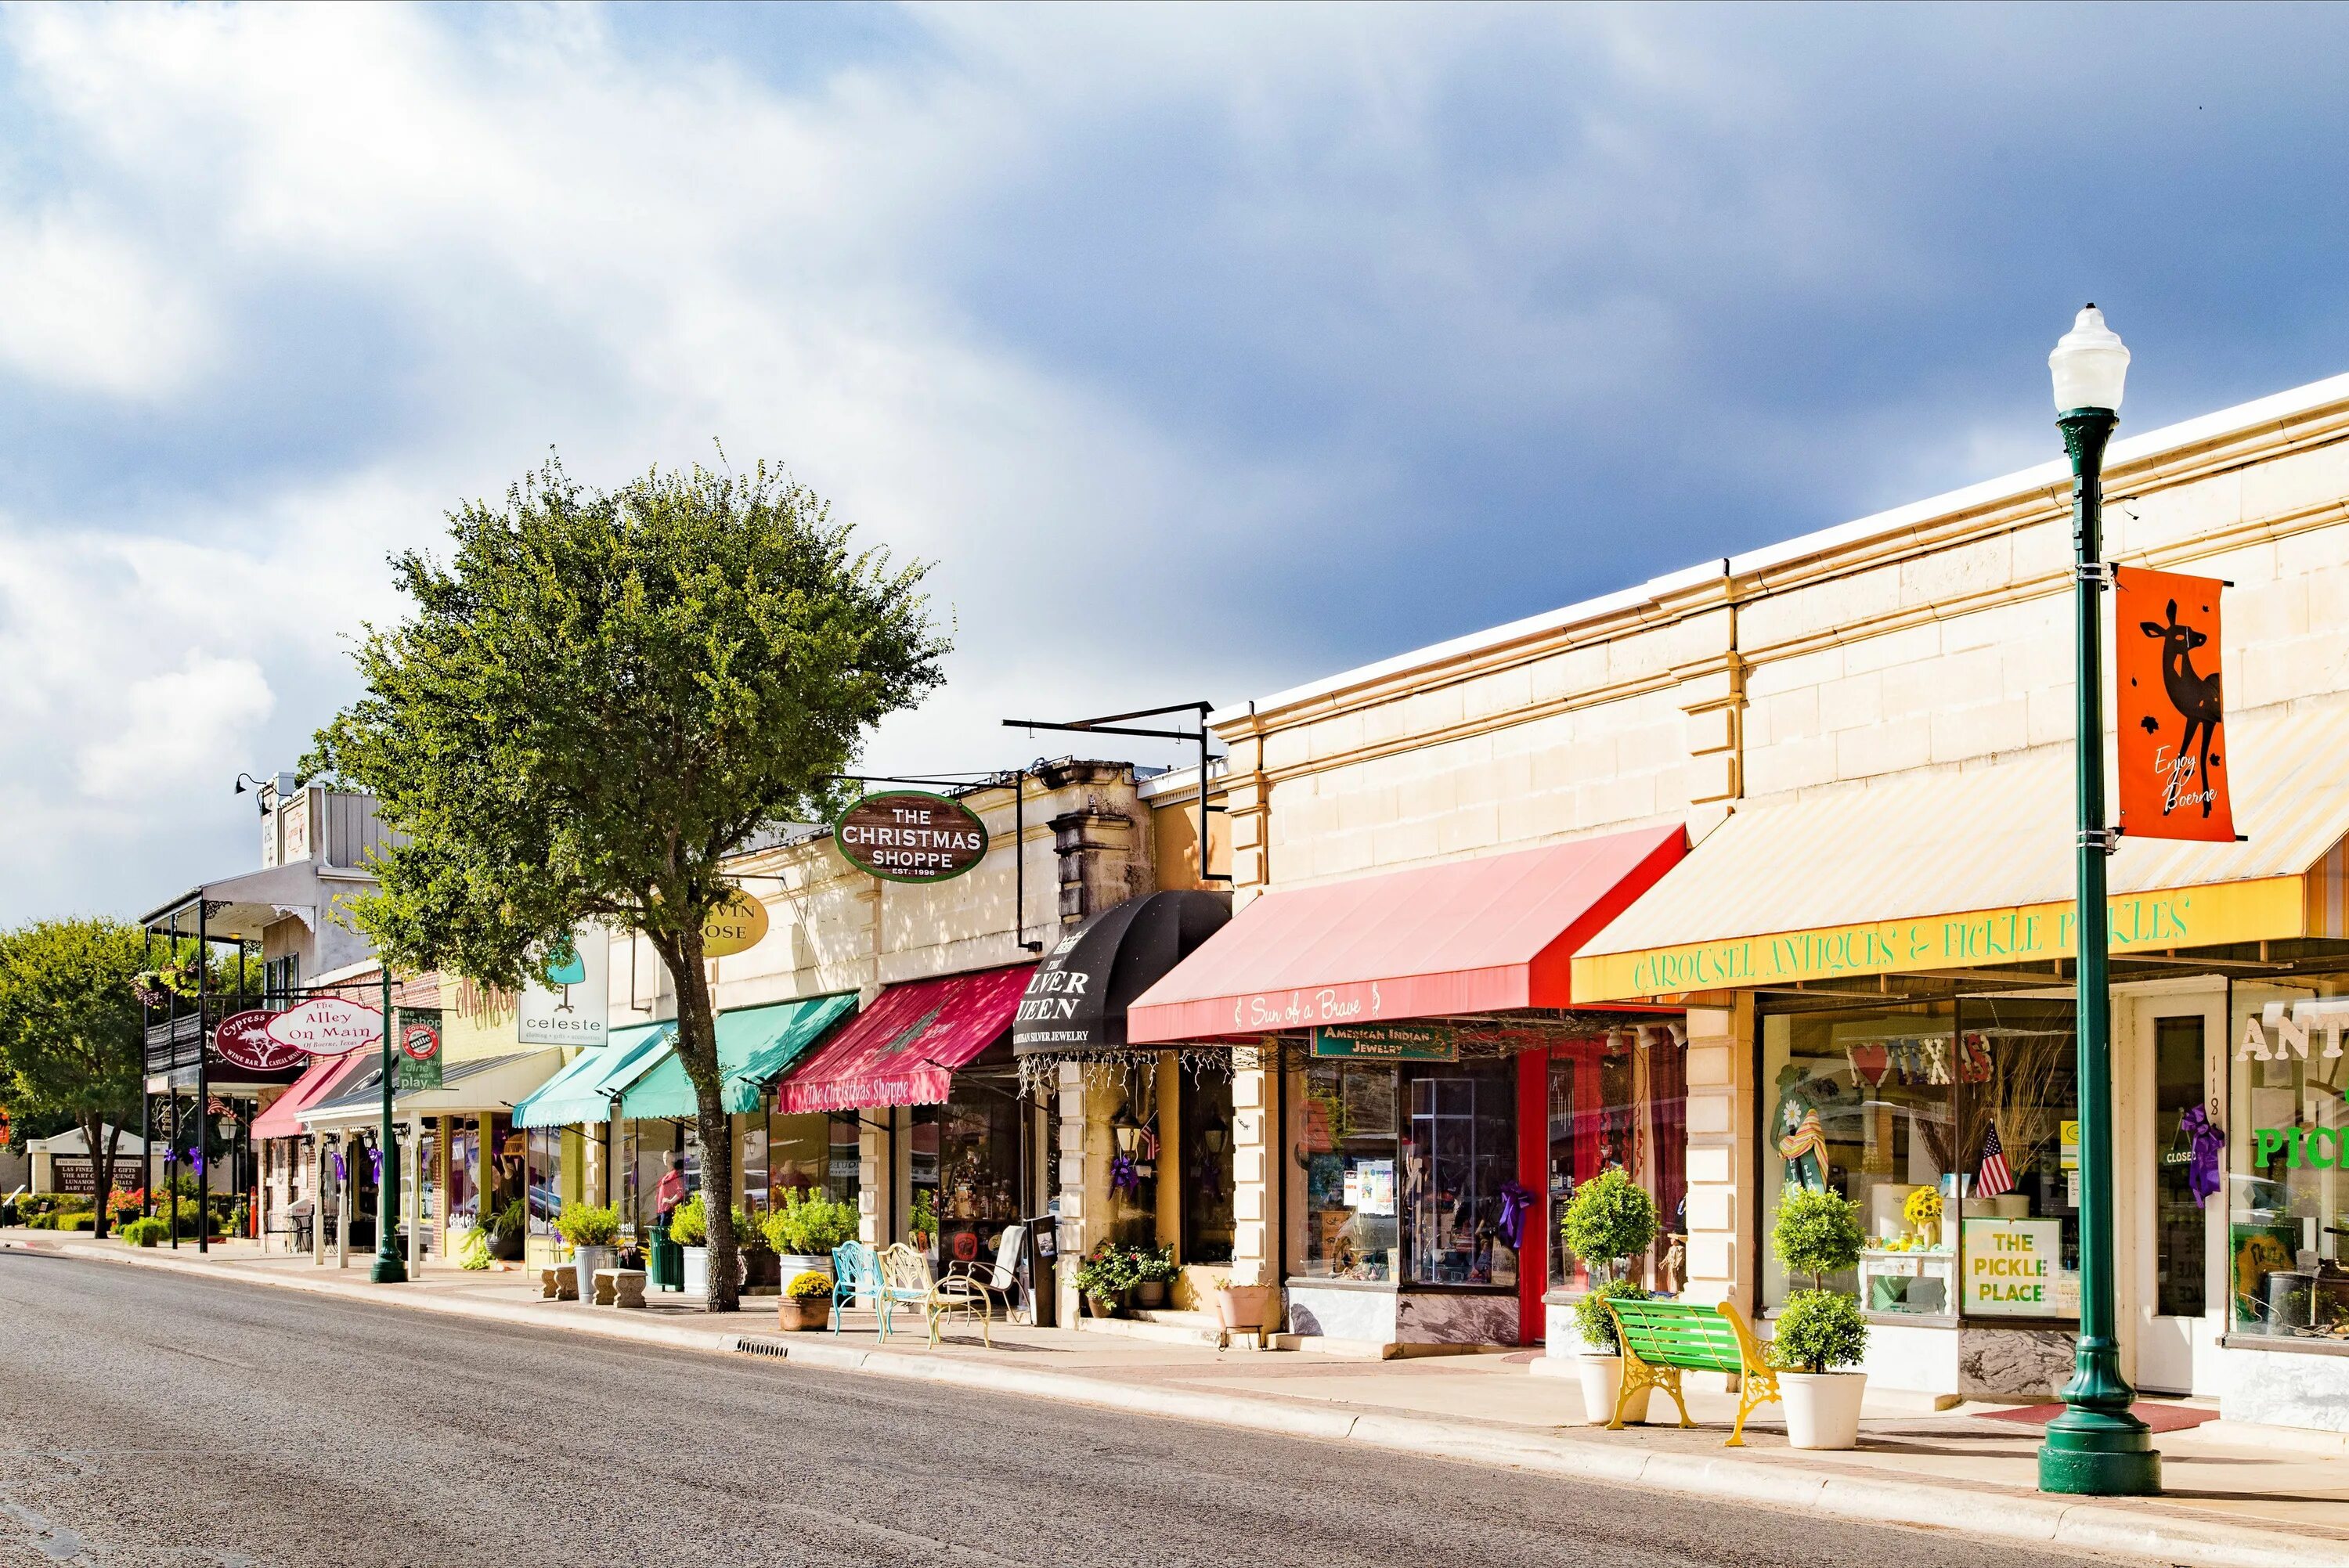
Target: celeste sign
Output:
{"points": [[326, 1027], [911, 836]]}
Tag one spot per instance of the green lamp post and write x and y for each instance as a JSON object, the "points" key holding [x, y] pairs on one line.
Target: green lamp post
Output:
{"points": [[2095, 1447], [388, 1269]]}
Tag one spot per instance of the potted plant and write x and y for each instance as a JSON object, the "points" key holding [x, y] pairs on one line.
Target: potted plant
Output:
{"points": [[761, 1270], [806, 1303], [507, 1228], [806, 1228], [592, 1232], [1153, 1272], [1240, 1308], [1105, 1277], [689, 1227], [922, 1222], [1610, 1221], [1819, 1331]]}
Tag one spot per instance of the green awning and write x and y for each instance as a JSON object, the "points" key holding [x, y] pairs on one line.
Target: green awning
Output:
{"points": [[756, 1046], [582, 1092]]}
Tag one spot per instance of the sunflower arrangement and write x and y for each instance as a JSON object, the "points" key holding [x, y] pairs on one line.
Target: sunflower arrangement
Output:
{"points": [[1923, 1212]]}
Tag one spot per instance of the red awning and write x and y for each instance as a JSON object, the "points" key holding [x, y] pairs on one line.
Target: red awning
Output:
{"points": [[904, 1049], [1471, 936], [284, 1117]]}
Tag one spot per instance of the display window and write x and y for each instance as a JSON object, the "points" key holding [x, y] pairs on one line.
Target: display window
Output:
{"points": [[2287, 1181], [464, 1163], [966, 1166], [1206, 1166], [1954, 1128], [814, 1151], [1406, 1169], [751, 1163], [1620, 1102], [543, 1154]]}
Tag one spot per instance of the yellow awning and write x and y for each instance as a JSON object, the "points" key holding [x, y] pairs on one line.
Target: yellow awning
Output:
{"points": [[1967, 866]]}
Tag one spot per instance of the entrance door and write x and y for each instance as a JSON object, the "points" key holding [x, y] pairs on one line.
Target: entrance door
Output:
{"points": [[2181, 1044]]}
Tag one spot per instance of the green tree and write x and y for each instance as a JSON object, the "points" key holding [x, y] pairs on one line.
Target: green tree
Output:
{"points": [[72, 1038], [598, 698]]}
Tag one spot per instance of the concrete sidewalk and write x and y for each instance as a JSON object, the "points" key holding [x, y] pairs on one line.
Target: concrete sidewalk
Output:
{"points": [[2257, 1497]]}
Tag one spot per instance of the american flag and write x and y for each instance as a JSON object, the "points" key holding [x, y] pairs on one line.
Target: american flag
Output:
{"points": [[1995, 1178]]}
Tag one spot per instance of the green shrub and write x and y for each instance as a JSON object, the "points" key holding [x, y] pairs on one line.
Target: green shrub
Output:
{"points": [[1108, 1272], [1816, 1234], [1818, 1331], [1598, 1325], [1154, 1264], [1609, 1220], [808, 1282], [587, 1225], [47, 1220], [808, 1224], [473, 1249], [73, 1203], [146, 1232], [689, 1223]]}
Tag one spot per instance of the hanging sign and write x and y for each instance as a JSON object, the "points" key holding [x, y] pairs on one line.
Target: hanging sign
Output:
{"points": [[419, 1063], [564, 1003], [735, 926], [1388, 1042], [2173, 764], [242, 1040], [326, 1027], [911, 836]]}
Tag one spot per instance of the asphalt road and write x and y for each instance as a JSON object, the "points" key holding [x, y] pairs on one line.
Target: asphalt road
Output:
{"points": [[148, 1418]]}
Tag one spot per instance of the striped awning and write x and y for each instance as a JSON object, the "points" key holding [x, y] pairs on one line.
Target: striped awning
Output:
{"points": [[1974, 865]]}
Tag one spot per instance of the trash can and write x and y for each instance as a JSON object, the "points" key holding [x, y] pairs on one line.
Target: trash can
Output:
{"points": [[664, 1259]]}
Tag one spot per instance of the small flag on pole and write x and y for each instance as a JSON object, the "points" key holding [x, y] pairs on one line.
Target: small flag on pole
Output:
{"points": [[1995, 1178]]}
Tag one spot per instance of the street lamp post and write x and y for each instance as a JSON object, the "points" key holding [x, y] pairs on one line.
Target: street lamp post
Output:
{"points": [[388, 1269], [2095, 1447]]}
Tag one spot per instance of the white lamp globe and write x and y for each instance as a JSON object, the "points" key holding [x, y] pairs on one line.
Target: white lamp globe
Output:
{"points": [[2089, 364]]}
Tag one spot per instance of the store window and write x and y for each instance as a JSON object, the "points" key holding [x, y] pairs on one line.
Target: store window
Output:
{"points": [[1620, 1102], [1404, 1170], [1348, 1136], [428, 1180], [465, 1167], [543, 1148], [2288, 1145], [966, 1165], [756, 1196], [2018, 1084], [1206, 1166], [814, 1152]]}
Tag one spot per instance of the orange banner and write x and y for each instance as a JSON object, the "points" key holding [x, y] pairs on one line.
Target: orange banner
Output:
{"points": [[2173, 766]]}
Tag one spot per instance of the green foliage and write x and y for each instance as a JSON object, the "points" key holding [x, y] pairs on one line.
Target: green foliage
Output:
{"points": [[72, 1037], [76, 1221], [587, 1225], [808, 1224], [807, 1283], [1818, 1331], [1609, 1219], [1596, 1324], [1108, 1272], [924, 1219], [473, 1250], [1816, 1234], [599, 697], [689, 1223], [1154, 1264], [752, 1238], [146, 1232], [44, 1219]]}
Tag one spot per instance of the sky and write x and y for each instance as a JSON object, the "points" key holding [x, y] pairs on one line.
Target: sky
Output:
{"points": [[1206, 351]]}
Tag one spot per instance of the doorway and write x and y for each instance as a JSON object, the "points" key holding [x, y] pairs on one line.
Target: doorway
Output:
{"points": [[2178, 1066]]}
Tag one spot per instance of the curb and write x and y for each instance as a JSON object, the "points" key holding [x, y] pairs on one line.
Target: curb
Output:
{"points": [[2032, 1518]]}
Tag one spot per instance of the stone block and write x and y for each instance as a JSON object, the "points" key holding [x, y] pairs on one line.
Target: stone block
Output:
{"points": [[1961, 733], [1248, 1166], [1710, 778], [1249, 1089], [1712, 1208], [1247, 1200], [1711, 1163], [1885, 649], [1711, 1255], [1852, 702], [1890, 747], [1710, 1112], [1247, 1239], [1710, 1064]]}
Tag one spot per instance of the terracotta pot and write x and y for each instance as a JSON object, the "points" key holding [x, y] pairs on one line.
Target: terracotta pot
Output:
{"points": [[1150, 1294], [1823, 1409], [1602, 1385], [1100, 1307], [801, 1314], [1244, 1306]]}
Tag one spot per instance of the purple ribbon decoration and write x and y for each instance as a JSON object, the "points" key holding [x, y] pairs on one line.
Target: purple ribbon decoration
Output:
{"points": [[1516, 1201], [2203, 1165], [1123, 1175], [375, 1166], [339, 1171]]}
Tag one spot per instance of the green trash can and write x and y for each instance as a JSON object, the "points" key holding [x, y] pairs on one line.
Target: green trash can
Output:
{"points": [[664, 1259]]}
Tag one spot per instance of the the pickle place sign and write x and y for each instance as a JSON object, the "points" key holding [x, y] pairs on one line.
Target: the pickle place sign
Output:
{"points": [[911, 836]]}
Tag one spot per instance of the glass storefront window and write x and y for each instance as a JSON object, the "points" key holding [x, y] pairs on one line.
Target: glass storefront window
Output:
{"points": [[1460, 1148], [1618, 1101], [1352, 1200], [972, 1182], [542, 1151], [756, 1197], [428, 1181], [814, 1151], [2019, 1077], [464, 1163], [1205, 1168], [2288, 1142]]}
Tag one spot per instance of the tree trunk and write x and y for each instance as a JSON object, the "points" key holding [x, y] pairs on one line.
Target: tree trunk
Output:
{"points": [[101, 1169], [697, 1051]]}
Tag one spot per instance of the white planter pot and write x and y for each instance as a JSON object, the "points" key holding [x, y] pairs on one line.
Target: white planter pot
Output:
{"points": [[1823, 1408], [1602, 1385], [697, 1271], [587, 1260], [796, 1263]]}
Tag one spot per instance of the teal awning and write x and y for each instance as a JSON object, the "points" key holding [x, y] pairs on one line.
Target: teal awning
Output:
{"points": [[582, 1092], [756, 1046]]}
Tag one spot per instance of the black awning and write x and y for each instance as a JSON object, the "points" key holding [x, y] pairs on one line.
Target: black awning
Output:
{"points": [[1076, 1000]]}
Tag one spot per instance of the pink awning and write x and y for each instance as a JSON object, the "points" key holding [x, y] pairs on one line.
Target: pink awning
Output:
{"points": [[284, 1117], [906, 1048], [1483, 935]]}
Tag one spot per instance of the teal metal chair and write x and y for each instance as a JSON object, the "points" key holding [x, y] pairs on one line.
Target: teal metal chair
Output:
{"points": [[856, 1271]]}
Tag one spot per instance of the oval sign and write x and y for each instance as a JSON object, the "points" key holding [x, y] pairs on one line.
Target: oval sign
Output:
{"points": [[910, 835], [734, 926], [327, 1026], [242, 1040]]}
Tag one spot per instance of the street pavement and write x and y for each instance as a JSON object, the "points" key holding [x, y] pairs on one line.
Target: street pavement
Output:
{"points": [[152, 1417]]}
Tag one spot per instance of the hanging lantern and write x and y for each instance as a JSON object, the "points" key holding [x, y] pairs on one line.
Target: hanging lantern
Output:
{"points": [[1127, 1131]]}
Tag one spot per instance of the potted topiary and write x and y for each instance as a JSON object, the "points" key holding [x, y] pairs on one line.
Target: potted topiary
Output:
{"points": [[689, 1227], [1153, 1272], [806, 1228], [592, 1232], [1610, 1221], [806, 1303], [1105, 1277], [1240, 1308], [1820, 1330]]}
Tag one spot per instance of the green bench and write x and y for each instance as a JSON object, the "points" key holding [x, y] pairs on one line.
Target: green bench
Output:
{"points": [[1661, 1339]]}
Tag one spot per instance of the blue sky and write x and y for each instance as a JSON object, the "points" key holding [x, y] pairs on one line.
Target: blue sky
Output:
{"points": [[1207, 350]]}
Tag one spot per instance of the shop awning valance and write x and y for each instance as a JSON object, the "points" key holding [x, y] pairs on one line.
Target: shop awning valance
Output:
{"points": [[477, 1087], [1966, 867], [905, 1048], [582, 1093], [284, 1117], [1483, 935], [1078, 998], [755, 1047]]}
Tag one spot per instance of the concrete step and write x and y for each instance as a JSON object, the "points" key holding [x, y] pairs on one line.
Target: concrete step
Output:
{"points": [[1164, 1327]]}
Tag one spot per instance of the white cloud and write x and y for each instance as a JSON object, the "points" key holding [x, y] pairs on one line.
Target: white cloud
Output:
{"points": [[88, 310], [171, 731]]}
